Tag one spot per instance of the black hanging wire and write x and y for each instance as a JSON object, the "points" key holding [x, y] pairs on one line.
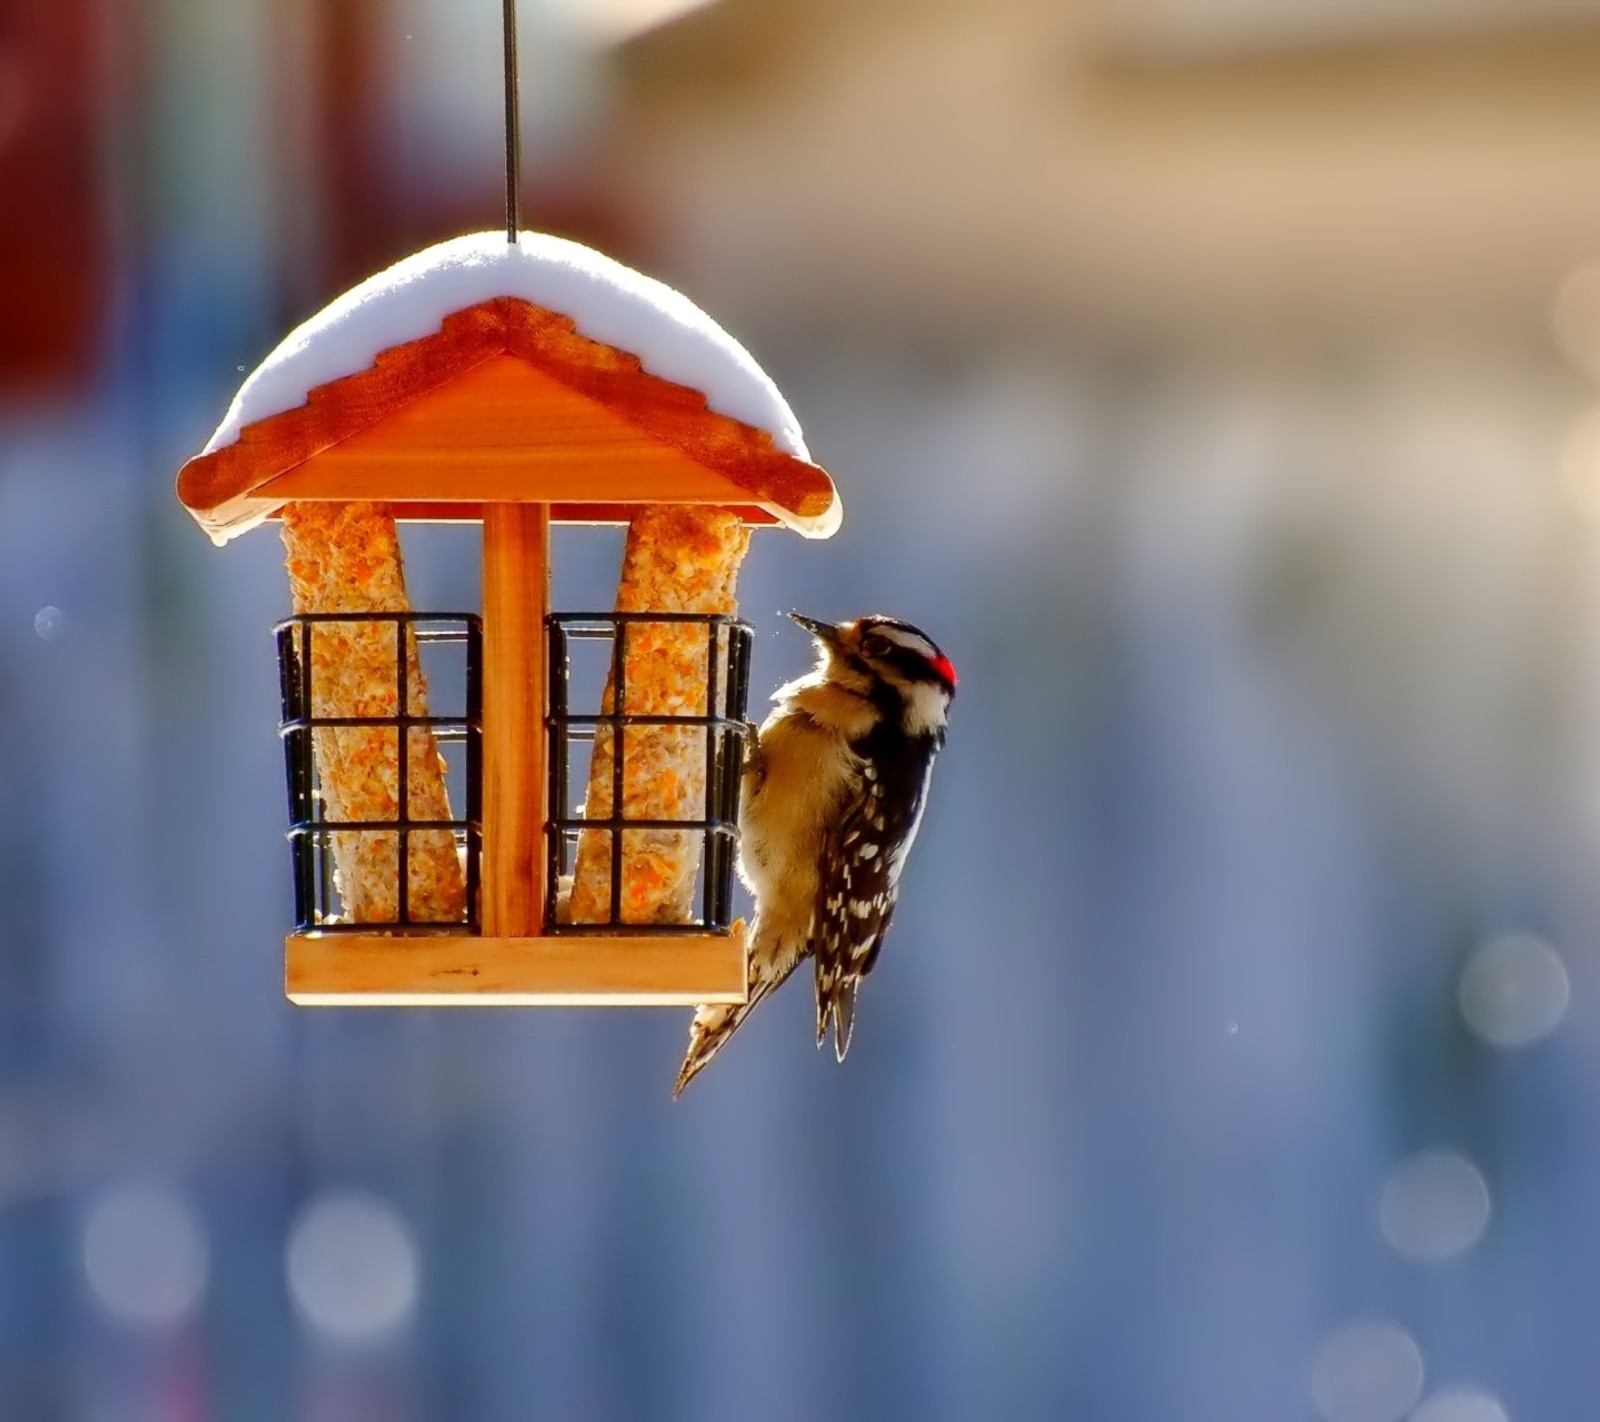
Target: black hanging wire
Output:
{"points": [[508, 10]]}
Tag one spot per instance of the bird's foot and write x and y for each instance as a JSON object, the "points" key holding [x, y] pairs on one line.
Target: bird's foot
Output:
{"points": [[755, 762]]}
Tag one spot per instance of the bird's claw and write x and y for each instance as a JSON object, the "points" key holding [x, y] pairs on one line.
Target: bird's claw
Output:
{"points": [[755, 763]]}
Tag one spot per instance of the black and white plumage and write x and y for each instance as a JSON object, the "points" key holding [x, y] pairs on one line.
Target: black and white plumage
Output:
{"points": [[831, 800]]}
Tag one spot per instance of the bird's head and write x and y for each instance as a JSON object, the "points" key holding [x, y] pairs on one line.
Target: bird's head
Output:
{"points": [[889, 661]]}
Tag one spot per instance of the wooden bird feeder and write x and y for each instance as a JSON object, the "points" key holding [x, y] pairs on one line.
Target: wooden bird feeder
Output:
{"points": [[514, 386]]}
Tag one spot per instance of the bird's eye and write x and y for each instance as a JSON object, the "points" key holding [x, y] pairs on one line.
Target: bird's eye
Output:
{"points": [[874, 644]]}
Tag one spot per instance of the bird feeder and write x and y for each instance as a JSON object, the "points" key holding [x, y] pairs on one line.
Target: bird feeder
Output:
{"points": [[513, 385]]}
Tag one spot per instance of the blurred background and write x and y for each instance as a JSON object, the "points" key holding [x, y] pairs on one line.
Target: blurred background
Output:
{"points": [[1210, 377]]}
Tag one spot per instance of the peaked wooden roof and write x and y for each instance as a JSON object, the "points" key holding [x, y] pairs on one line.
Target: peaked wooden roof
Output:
{"points": [[506, 402]]}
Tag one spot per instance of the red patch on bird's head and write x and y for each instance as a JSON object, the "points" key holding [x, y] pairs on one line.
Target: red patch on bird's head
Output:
{"points": [[946, 670]]}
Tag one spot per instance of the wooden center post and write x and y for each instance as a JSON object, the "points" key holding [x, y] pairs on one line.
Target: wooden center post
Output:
{"points": [[516, 596]]}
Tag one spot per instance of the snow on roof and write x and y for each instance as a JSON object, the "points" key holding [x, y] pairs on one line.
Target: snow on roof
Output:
{"points": [[673, 338]]}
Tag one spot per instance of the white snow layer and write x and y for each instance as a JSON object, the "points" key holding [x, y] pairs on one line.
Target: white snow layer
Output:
{"points": [[608, 302]]}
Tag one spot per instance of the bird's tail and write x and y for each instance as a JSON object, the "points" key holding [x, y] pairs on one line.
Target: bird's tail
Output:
{"points": [[714, 1023], [836, 1001]]}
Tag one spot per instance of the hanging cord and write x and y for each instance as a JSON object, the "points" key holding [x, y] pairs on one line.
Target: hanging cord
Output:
{"points": [[513, 126]]}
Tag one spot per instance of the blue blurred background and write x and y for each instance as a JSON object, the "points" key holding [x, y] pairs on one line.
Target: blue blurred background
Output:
{"points": [[1208, 376]]}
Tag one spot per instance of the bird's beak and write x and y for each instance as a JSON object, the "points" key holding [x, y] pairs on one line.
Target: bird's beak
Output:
{"points": [[824, 632]]}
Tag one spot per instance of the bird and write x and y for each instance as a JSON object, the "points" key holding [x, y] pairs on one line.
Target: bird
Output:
{"points": [[831, 796]]}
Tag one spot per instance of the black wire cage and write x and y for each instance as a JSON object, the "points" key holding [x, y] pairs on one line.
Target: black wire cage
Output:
{"points": [[619, 733], [388, 731], [588, 660]]}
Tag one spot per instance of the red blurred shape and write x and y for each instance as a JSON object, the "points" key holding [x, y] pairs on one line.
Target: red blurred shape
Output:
{"points": [[53, 248]]}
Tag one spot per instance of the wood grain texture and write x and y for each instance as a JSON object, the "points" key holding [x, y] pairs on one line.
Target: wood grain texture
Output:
{"points": [[428, 511], [504, 391], [460, 970], [516, 594]]}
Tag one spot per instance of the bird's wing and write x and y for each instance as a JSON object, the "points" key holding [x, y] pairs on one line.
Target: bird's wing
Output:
{"points": [[857, 883]]}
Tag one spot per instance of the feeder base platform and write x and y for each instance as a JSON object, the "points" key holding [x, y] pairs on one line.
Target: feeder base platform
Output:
{"points": [[465, 970]]}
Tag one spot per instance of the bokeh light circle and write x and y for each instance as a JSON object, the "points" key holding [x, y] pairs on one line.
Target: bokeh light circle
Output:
{"points": [[1369, 1371], [1580, 463], [144, 1255], [1434, 1206], [352, 1267], [50, 623], [1461, 1404], [1575, 319], [1513, 990]]}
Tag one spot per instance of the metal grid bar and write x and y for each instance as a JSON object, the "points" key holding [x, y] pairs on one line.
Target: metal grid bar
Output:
{"points": [[402, 735], [733, 752], [557, 809], [612, 718], [474, 767], [445, 728], [713, 844], [394, 826], [619, 701]]}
